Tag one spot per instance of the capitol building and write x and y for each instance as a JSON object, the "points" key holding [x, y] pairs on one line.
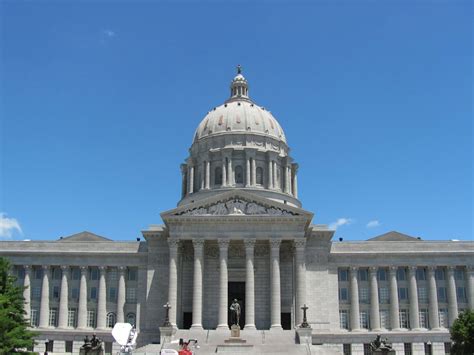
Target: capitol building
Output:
{"points": [[239, 231]]}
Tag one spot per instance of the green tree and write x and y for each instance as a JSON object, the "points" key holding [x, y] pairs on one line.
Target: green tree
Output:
{"points": [[462, 334], [14, 334]]}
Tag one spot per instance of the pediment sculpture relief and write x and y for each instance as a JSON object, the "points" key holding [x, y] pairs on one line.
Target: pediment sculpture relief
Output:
{"points": [[236, 207]]}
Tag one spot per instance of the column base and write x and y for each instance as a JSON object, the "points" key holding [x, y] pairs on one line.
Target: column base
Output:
{"points": [[196, 327], [359, 330], [417, 329], [277, 327], [250, 327], [438, 329], [222, 327], [378, 330]]}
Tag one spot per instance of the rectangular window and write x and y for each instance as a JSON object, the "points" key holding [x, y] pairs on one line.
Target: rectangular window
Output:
{"points": [[459, 274], [443, 317], [108, 347], [428, 349], [132, 274], [112, 294], [344, 319], [68, 346], [38, 273], [343, 294], [94, 274], [34, 320], [36, 292], [384, 296], [346, 349], [113, 275], [343, 275], [363, 275], [403, 293], [461, 294], [93, 293], [76, 273], [91, 319], [131, 295], [421, 274], [384, 319], [364, 319], [401, 274], [72, 318], [21, 274], [423, 314], [55, 292], [50, 346], [422, 295], [382, 275], [439, 274], [408, 349], [442, 294], [53, 317], [404, 319], [363, 295], [447, 348], [56, 273], [75, 293]]}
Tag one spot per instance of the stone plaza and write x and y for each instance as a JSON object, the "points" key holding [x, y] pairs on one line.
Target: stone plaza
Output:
{"points": [[239, 232]]}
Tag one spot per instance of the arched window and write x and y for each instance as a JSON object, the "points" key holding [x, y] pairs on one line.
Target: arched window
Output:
{"points": [[131, 318], [218, 176], [239, 175], [259, 176], [111, 319]]}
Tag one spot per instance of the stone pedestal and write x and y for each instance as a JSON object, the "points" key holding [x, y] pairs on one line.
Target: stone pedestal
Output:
{"points": [[166, 334], [91, 352], [383, 352], [235, 343], [304, 335]]}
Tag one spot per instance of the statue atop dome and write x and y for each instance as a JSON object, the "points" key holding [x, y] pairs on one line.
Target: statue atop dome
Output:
{"points": [[239, 69]]}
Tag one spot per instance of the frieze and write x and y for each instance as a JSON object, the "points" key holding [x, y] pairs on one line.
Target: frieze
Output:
{"points": [[235, 207]]}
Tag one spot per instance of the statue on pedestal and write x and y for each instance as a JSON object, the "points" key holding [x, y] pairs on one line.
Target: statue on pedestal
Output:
{"points": [[381, 346], [235, 313], [92, 346]]}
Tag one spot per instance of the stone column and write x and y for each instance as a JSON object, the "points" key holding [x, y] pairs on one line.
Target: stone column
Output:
{"points": [[82, 309], [270, 174], [184, 182], [394, 305], [191, 179], [224, 172], [287, 180], [203, 175], [230, 172], [173, 280], [275, 284], [247, 172], [354, 284], [102, 299], [413, 297], [276, 183], [223, 284], [208, 175], [27, 291], [470, 285], [433, 299], [300, 278], [121, 295], [44, 306], [295, 185], [249, 284], [452, 300], [374, 300], [254, 172], [64, 297], [198, 245]]}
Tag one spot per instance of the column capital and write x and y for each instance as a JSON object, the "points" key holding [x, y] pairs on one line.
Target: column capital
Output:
{"points": [[46, 267], [392, 269], [223, 243], [83, 269], [27, 267], [470, 268], [373, 270], [173, 243], [102, 268], [65, 267], [353, 269], [250, 243], [198, 243], [275, 243], [300, 243], [121, 269], [450, 268], [431, 268], [412, 268]]}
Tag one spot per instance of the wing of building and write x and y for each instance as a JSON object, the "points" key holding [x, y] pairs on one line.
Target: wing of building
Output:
{"points": [[240, 232]]}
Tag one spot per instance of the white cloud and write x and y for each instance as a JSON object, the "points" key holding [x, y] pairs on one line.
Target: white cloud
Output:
{"points": [[8, 226], [108, 33], [373, 224], [340, 222]]}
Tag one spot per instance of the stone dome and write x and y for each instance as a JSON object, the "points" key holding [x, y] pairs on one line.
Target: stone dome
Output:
{"points": [[239, 114]]}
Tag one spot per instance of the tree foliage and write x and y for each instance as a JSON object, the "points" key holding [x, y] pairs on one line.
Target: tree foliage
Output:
{"points": [[462, 334], [14, 334]]}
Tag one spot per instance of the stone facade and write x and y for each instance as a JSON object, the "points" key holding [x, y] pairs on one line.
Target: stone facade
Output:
{"points": [[239, 231]]}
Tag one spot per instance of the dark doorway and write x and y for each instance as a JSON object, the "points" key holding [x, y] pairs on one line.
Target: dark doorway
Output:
{"points": [[187, 320], [237, 290], [286, 321]]}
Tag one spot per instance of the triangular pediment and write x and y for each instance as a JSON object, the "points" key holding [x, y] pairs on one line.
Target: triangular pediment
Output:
{"points": [[84, 237], [394, 236], [236, 203]]}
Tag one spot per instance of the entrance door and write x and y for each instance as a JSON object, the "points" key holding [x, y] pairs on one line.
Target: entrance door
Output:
{"points": [[237, 290]]}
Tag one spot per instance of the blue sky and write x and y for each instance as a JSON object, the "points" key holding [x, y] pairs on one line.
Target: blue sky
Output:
{"points": [[99, 103]]}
